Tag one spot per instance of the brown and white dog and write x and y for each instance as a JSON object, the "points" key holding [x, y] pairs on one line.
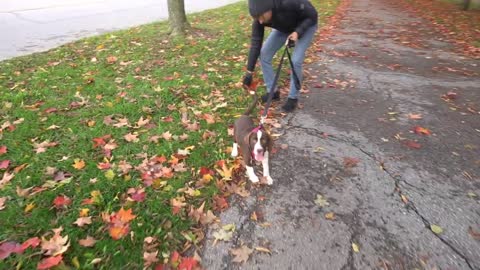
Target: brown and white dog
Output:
{"points": [[254, 142]]}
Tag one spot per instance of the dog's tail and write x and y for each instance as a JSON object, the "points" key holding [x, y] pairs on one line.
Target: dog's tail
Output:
{"points": [[249, 110]]}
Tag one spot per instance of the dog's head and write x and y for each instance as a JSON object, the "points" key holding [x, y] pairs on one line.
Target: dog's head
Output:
{"points": [[259, 142]]}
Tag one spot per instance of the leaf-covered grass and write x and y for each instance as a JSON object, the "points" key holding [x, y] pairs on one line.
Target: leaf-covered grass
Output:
{"points": [[85, 97]]}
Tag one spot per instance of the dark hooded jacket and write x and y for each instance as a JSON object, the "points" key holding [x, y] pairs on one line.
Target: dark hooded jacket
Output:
{"points": [[288, 16]]}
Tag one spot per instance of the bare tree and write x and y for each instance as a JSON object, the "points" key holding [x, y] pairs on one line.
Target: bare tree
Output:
{"points": [[466, 4], [177, 17]]}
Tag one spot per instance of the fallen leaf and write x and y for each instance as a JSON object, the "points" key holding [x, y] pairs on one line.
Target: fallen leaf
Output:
{"points": [[131, 137], [284, 146], [82, 221], [349, 162], [2, 202], [421, 130], [412, 144], [3, 150], [150, 258], [320, 201], [355, 248], [4, 164], [436, 229], [7, 248], [56, 245], [29, 207], [49, 262], [222, 235], [7, 177], [61, 201], [32, 242], [450, 95], [87, 242], [188, 263], [474, 234], [118, 231], [167, 136], [241, 254], [414, 116], [262, 249], [111, 59], [110, 174], [330, 216]]}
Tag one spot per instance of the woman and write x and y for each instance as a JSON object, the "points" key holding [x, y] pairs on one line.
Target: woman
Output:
{"points": [[295, 20]]}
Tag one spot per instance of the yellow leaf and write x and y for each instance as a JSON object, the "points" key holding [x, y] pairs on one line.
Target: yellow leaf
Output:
{"points": [[436, 229], [355, 247], [76, 263], [78, 164], [330, 216], [110, 174], [84, 212], [91, 123], [29, 207]]}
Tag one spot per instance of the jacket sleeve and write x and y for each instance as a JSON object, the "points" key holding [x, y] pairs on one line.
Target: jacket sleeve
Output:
{"points": [[307, 13], [258, 31]]}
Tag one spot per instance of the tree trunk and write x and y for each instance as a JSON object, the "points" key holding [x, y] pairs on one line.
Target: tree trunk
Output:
{"points": [[177, 17], [466, 4]]}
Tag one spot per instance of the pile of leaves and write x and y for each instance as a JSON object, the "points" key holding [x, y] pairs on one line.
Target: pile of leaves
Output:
{"points": [[459, 26]]}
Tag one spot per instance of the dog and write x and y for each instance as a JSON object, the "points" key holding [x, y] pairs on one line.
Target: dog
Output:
{"points": [[254, 142]]}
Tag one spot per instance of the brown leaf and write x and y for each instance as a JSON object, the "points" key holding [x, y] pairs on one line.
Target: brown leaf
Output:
{"points": [[241, 254], [167, 136], [414, 116], [87, 242], [131, 137], [111, 59], [7, 177], [412, 144], [56, 245], [150, 258], [2, 202], [42, 147], [474, 234], [349, 162]]}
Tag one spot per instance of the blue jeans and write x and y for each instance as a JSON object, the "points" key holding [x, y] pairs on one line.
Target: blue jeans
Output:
{"points": [[274, 42]]}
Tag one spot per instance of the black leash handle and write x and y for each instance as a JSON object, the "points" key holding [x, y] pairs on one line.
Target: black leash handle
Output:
{"points": [[277, 75]]}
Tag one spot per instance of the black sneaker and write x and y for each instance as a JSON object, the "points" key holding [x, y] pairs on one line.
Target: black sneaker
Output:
{"points": [[290, 105], [276, 96]]}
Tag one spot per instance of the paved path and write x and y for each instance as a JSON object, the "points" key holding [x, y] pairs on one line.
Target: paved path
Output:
{"points": [[391, 64], [29, 26]]}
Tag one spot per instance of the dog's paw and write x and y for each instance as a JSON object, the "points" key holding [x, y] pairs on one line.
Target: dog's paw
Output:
{"points": [[269, 180]]}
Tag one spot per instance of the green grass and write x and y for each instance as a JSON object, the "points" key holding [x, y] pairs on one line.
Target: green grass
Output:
{"points": [[151, 72]]}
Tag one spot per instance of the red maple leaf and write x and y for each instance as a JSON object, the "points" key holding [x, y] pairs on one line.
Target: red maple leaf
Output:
{"points": [[32, 242], [4, 164], [49, 262], [188, 263], [7, 248], [61, 201]]}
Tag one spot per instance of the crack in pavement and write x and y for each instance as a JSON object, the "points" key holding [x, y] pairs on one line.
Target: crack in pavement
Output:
{"points": [[397, 181]]}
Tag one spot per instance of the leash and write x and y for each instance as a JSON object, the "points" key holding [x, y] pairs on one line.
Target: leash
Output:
{"points": [[288, 44]]}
